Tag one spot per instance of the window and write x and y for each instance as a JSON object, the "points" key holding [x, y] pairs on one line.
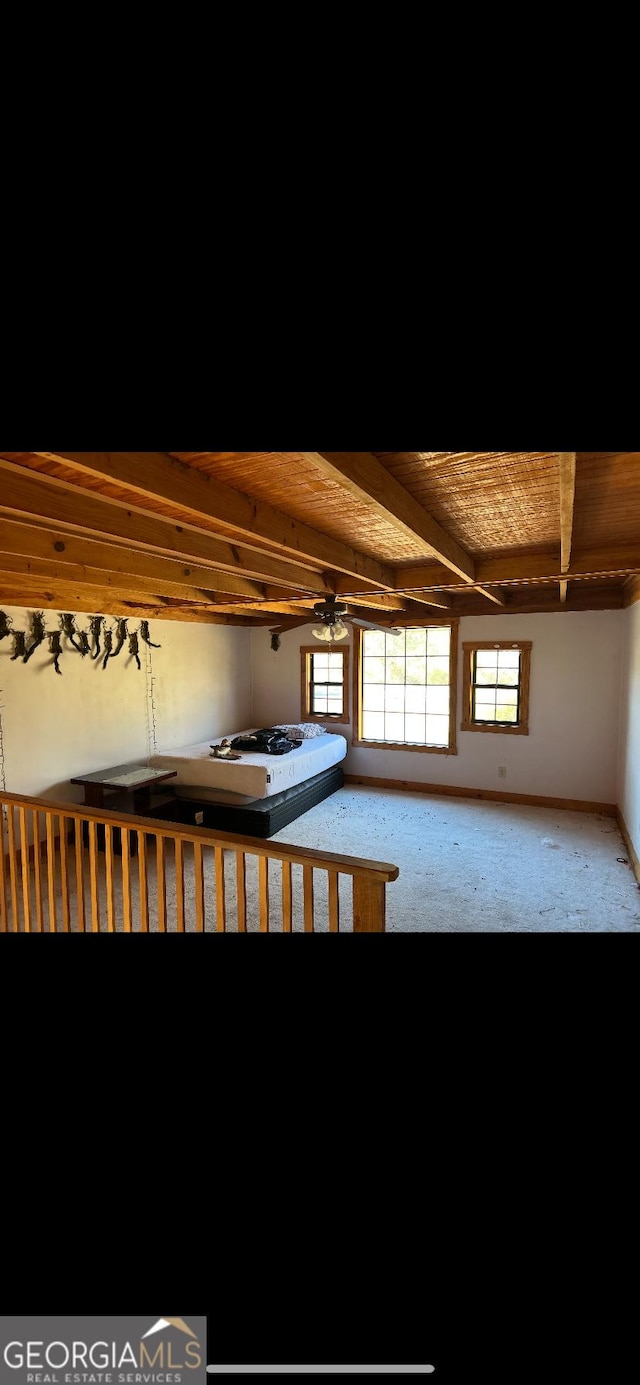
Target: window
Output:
{"points": [[496, 687], [324, 684], [405, 688]]}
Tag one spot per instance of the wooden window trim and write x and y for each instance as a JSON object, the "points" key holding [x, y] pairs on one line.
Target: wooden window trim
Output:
{"points": [[469, 647], [357, 740], [322, 718]]}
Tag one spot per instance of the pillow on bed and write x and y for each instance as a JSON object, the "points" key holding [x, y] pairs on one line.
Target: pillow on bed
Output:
{"points": [[304, 731]]}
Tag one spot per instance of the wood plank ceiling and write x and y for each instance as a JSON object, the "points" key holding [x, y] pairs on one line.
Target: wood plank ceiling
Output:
{"points": [[250, 538]]}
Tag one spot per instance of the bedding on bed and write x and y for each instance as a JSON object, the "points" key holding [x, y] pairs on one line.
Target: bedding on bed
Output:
{"points": [[254, 775]]}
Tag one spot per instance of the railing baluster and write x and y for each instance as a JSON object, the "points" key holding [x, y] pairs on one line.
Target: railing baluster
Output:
{"points": [[263, 874], [64, 876], [11, 829], [161, 885], [198, 886], [287, 911], [307, 886], [221, 903], [51, 872], [20, 909], [3, 877], [24, 867], [126, 879], [108, 877], [241, 890], [37, 872], [143, 882], [79, 850], [334, 902], [93, 875], [179, 874]]}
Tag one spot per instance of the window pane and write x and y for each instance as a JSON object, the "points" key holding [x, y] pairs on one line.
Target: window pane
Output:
{"points": [[485, 697], [416, 670], [373, 642], [485, 714], [394, 699], [417, 642], [394, 726], [415, 699], [319, 661], [414, 729], [438, 639], [373, 670], [373, 698], [486, 658], [335, 674], [395, 644], [334, 696], [320, 702], [438, 671], [395, 671], [373, 726], [508, 677], [509, 658], [438, 701], [437, 730], [506, 711], [486, 675]]}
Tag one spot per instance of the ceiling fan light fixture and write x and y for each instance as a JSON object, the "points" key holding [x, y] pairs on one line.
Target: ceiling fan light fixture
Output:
{"points": [[338, 630], [322, 632]]}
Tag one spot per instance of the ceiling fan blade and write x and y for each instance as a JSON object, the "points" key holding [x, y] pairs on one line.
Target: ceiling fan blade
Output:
{"points": [[285, 625], [369, 625]]}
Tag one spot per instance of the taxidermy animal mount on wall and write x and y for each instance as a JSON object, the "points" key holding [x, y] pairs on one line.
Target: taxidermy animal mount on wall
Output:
{"points": [[83, 641]]}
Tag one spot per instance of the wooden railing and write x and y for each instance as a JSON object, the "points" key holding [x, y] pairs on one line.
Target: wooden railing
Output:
{"points": [[84, 861]]}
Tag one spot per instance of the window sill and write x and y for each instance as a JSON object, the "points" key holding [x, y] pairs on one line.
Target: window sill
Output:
{"points": [[496, 730], [400, 745]]}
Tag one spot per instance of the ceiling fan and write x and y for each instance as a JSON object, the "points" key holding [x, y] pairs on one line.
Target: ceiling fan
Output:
{"points": [[330, 616]]}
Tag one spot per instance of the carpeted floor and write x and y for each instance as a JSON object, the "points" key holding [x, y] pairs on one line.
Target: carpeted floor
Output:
{"points": [[465, 867], [470, 866]]}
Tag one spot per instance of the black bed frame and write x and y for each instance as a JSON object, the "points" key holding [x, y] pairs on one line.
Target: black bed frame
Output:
{"points": [[264, 816]]}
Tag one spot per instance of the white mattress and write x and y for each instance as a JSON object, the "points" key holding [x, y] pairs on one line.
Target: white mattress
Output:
{"points": [[254, 776]]}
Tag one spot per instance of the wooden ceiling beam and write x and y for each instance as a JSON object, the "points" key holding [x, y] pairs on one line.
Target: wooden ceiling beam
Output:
{"points": [[439, 600], [35, 541], [567, 465], [520, 568], [362, 475], [41, 570], [28, 494], [93, 601], [490, 595], [157, 476]]}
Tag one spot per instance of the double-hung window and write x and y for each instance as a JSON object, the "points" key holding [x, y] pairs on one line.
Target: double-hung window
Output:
{"points": [[495, 689], [324, 684]]}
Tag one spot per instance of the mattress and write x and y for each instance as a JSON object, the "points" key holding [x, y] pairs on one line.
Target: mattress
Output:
{"points": [[254, 776], [264, 816]]}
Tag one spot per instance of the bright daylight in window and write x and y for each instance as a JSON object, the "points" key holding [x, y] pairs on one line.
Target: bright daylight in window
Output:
{"points": [[496, 685], [405, 686], [326, 684]]}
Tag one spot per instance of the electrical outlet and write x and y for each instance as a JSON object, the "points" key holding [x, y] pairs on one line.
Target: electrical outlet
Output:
{"points": [[502, 771]]}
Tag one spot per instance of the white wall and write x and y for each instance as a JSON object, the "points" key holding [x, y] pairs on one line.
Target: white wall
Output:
{"points": [[572, 747], [629, 757], [54, 727]]}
